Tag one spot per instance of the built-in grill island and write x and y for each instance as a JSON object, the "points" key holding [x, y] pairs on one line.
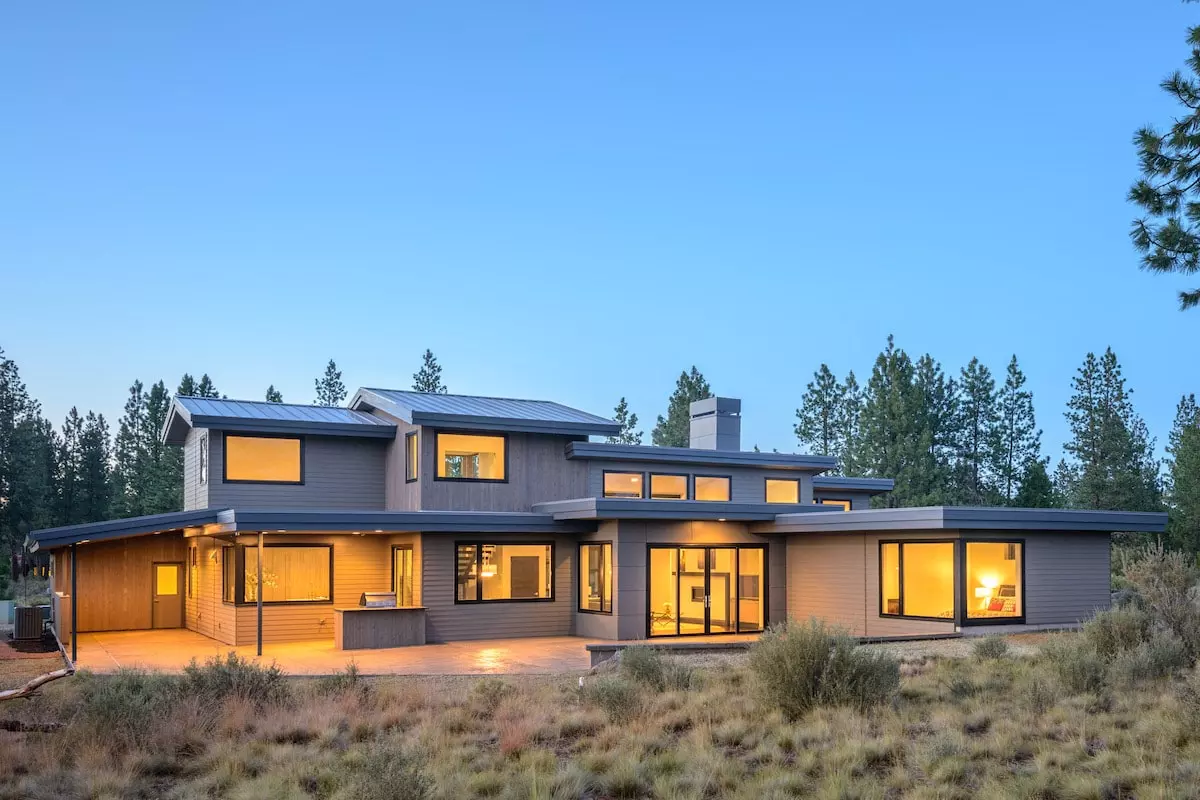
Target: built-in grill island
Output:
{"points": [[377, 622]]}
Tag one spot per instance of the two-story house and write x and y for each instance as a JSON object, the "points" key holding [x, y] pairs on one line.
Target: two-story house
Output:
{"points": [[489, 517]]}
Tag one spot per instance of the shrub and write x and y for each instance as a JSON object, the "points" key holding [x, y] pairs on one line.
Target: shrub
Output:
{"points": [[1117, 630], [238, 677], [1157, 657], [388, 771], [615, 696], [990, 648], [1076, 663], [798, 666], [128, 704], [643, 665], [490, 692], [1165, 582], [678, 677], [348, 680]]}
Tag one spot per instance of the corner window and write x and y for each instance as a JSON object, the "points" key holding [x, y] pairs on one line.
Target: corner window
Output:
{"points": [[624, 484], [668, 487], [710, 487], [595, 572], [504, 572], [844, 505], [783, 490], [994, 581], [203, 447], [290, 574], [917, 579], [263, 459], [410, 457], [470, 457]]}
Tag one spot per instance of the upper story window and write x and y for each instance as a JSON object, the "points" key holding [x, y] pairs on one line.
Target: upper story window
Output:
{"points": [[713, 487], [471, 457], [204, 458], [830, 501], [264, 459], [668, 487], [783, 490], [624, 484], [410, 457]]}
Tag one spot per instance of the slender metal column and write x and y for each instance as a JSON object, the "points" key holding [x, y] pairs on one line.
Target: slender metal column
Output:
{"points": [[259, 592], [74, 607]]}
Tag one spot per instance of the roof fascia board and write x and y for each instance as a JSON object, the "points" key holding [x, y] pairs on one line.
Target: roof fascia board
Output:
{"points": [[120, 528], [969, 518], [364, 430], [423, 521], [613, 508], [465, 422], [602, 451]]}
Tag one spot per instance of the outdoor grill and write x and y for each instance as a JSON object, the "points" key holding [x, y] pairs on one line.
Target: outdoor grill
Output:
{"points": [[378, 600]]}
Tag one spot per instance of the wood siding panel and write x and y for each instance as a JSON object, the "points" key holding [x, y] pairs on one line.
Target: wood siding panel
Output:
{"points": [[339, 473], [195, 494], [204, 611], [538, 472], [400, 495], [115, 580], [447, 621]]}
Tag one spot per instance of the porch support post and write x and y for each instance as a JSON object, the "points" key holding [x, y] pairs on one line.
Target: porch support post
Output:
{"points": [[259, 592], [74, 606]]}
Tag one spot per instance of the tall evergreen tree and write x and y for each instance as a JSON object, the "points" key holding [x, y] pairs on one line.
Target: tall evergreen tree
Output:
{"points": [[129, 468], [70, 466], [1036, 490], [820, 414], [187, 386], [1018, 440], [205, 387], [977, 430], [429, 377], [95, 485], [32, 501], [629, 433], [330, 389], [849, 428], [274, 395], [1183, 478], [1112, 455], [163, 463], [674, 430], [892, 440], [15, 406], [937, 420]]}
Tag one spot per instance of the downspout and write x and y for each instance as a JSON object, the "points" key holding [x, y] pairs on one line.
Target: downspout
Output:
{"points": [[74, 607], [259, 592]]}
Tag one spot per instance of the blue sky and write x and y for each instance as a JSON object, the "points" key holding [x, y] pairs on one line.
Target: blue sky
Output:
{"points": [[577, 201]]}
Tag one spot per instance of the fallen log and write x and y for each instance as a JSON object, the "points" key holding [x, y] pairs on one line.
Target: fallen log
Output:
{"points": [[31, 688]]}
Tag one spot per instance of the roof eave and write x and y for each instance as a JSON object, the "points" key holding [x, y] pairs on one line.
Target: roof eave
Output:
{"points": [[603, 451]]}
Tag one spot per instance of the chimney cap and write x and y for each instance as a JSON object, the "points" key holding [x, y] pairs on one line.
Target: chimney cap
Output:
{"points": [[721, 406]]}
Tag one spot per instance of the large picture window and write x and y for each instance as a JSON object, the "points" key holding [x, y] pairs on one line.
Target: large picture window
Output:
{"points": [[712, 487], [263, 459], [471, 457], [290, 574], [624, 484], [783, 490], [917, 579], [994, 581], [595, 570], [504, 572]]}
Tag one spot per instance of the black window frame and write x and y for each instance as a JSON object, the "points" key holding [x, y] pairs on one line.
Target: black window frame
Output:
{"points": [[604, 492], [956, 580], [824, 501], [764, 586], [687, 485], [479, 544], [583, 577], [404, 546], [961, 566], [239, 589], [227, 435], [766, 481], [696, 497], [412, 457], [455, 432]]}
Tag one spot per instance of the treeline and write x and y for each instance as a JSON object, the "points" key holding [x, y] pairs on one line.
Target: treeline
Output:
{"points": [[971, 438], [81, 472]]}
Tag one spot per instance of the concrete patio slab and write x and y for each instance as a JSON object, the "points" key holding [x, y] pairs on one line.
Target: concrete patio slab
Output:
{"points": [[171, 650]]}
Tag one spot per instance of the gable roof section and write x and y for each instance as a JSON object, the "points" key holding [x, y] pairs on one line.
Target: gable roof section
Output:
{"points": [[970, 518], [695, 455], [483, 413], [260, 417]]}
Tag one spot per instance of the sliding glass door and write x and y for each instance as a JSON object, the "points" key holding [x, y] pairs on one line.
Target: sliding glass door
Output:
{"points": [[706, 590]]}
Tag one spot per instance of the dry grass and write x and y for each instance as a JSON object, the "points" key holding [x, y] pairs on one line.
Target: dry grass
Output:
{"points": [[969, 728]]}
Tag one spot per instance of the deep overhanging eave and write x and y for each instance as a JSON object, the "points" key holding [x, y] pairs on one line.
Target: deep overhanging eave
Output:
{"points": [[971, 518]]}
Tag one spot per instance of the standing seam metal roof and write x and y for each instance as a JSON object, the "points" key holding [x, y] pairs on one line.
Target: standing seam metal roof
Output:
{"points": [[499, 413], [253, 410]]}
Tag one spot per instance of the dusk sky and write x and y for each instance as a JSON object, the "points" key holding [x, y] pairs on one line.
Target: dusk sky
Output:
{"points": [[574, 201]]}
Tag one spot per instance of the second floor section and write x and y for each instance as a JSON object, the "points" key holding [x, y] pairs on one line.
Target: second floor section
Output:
{"points": [[408, 451]]}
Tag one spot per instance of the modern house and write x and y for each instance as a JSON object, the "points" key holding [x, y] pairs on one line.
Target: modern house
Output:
{"points": [[455, 517]]}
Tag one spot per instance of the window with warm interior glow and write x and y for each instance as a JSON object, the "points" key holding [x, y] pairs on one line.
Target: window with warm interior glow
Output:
{"points": [[228, 574], [501, 572], [595, 570], [783, 490], [290, 574], [994, 585], [470, 457], [623, 484], [709, 487], [410, 456], [263, 459], [166, 579], [844, 505], [668, 487], [916, 579]]}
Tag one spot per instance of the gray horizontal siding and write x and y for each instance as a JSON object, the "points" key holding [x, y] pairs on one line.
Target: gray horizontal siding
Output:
{"points": [[748, 484], [339, 473], [1066, 576], [195, 494], [447, 621]]}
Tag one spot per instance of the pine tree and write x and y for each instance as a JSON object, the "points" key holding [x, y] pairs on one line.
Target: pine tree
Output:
{"points": [[129, 466], [15, 406], [330, 389], [820, 414], [205, 387], [977, 430], [1183, 478], [892, 441], [95, 486], [163, 464], [674, 430], [70, 466], [629, 433], [429, 377], [1112, 455], [274, 395], [31, 500], [849, 428], [187, 386], [1036, 490], [937, 423], [1019, 440]]}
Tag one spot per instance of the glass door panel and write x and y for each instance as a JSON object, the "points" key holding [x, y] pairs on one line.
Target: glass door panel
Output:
{"points": [[751, 586], [402, 572], [663, 590], [722, 590], [692, 590]]}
